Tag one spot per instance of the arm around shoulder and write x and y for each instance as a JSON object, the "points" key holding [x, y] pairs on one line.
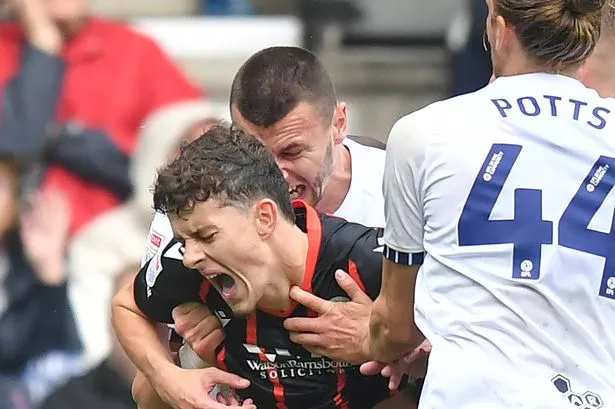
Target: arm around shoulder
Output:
{"points": [[139, 337]]}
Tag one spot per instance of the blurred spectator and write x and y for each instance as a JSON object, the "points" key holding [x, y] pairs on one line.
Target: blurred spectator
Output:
{"points": [[73, 92], [471, 63], [108, 385], [117, 239], [39, 346]]}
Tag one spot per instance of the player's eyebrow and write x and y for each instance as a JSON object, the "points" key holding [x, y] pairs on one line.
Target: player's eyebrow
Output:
{"points": [[194, 232], [201, 230], [294, 146]]}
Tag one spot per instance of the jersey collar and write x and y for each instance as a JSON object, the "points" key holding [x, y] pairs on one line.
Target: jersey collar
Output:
{"points": [[313, 228]]}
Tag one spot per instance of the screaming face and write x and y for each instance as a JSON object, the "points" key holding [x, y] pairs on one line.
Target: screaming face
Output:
{"points": [[302, 147], [224, 245]]}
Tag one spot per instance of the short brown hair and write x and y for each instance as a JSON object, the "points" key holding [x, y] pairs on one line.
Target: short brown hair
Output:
{"points": [[272, 82], [560, 34], [224, 164]]}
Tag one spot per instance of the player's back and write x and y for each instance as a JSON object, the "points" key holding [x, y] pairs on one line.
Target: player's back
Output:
{"points": [[517, 293]]}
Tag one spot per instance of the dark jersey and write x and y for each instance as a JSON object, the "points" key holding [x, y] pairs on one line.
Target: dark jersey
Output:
{"points": [[282, 374]]}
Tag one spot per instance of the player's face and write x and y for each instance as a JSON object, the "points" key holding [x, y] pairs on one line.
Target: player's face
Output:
{"points": [[227, 246], [303, 147]]}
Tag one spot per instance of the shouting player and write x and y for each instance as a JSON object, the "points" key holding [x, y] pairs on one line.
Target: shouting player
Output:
{"points": [[508, 205], [245, 246]]}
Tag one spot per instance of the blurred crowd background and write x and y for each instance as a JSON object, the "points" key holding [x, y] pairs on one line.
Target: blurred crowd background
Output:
{"points": [[95, 95]]}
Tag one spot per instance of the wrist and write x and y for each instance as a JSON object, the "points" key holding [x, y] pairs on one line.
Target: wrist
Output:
{"points": [[366, 353], [158, 370], [47, 40], [51, 272]]}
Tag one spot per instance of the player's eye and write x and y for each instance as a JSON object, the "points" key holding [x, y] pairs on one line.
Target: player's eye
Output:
{"points": [[292, 152], [208, 238]]}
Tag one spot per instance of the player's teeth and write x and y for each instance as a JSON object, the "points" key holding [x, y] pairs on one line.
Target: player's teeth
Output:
{"points": [[214, 276]]}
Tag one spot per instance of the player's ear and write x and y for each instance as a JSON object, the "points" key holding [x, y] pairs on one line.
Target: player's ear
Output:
{"points": [[265, 217], [503, 33], [340, 122]]}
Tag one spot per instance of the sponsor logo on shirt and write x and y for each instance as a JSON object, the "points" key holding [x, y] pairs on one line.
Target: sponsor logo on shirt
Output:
{"points": [[153, 270], [279, 363], [154, 242], [585, 400], [155, 239]]}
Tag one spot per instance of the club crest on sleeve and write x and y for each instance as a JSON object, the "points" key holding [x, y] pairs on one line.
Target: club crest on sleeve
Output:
{"points": [[153, 270]]}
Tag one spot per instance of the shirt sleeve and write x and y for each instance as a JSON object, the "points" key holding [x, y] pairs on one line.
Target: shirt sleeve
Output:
{"points": [[28, 103], [159, 235], [403, 200], [92, 155], [163, 283]]}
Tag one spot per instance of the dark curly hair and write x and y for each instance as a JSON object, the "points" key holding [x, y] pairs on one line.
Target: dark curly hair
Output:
{"points": [[226, 164]]}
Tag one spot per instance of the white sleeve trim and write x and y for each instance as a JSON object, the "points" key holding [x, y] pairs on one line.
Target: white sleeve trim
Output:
{"points": [[402, 257]]}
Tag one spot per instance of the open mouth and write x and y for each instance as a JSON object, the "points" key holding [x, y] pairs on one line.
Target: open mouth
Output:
{"points": [[224, 283], [296, 191]]}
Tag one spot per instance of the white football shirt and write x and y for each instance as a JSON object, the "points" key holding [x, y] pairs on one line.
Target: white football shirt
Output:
{"points": [[508, 193], [364, 203]]}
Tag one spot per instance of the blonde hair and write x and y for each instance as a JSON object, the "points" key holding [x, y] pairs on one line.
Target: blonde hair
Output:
{"points": [[559, 34]]}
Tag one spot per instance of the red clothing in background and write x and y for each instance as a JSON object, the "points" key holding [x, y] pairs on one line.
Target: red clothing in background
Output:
{"points": [[114, 77]]}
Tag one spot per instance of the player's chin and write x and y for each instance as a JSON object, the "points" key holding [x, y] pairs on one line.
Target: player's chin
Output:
{"points": [[308, 197], [243, 308]]}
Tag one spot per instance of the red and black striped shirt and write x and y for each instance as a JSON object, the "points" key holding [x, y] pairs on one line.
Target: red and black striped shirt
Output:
{"points": [[282, 374]]}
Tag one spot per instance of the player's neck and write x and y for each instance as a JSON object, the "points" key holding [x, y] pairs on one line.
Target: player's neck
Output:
{"points": [[290, 250], [339, 184], [597, 73], [605, 87], [521, 66]]}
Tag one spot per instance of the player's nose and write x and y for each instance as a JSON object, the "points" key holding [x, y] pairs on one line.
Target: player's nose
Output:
{"points": [[193, 256], [284, 166], [284, 173]]}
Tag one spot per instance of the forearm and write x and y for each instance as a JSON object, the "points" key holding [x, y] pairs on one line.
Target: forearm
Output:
{"points": [[93, 156], [29, 102], [144, 394], [391, 325], [138, 336], [391, 335]]}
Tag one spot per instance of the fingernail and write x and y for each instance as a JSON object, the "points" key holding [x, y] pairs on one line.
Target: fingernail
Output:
{"points": [[244, 382], [340, 274]]}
